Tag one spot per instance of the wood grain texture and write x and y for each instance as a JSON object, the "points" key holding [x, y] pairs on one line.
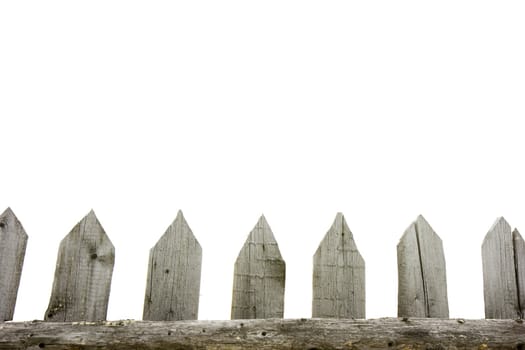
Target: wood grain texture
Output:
{"points": [[519, 263], [13, 242], [499, 272], [174, 274], [338, 275], [259, 276], [83, 274], [303, 334], [422, 288]]}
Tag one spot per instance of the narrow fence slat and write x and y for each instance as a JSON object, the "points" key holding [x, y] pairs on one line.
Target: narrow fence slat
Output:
{"points": [[13, 242], [422, 288], [259, 276], [174, 274], [434, 269], [338, 275], [519, 256], [499, 271], [83, 274], [411, 295]]}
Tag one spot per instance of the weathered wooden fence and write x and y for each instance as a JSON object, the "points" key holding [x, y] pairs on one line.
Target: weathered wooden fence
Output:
{"points": [[84, 269], [13, 241]]}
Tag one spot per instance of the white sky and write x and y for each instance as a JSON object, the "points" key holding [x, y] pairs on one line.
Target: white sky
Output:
{"points": [[382, 110]]}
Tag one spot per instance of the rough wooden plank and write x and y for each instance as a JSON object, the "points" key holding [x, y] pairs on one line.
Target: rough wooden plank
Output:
{"points": [[410, 295], [499, 272], [83, 274], [13, 242], [259, 276], [422, 290], [338, 275], [275, 334], [519, 263], [174, 274], [434, 269]]}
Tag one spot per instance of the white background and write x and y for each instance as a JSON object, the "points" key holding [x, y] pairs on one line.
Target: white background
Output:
{"points": [[382, 110]]}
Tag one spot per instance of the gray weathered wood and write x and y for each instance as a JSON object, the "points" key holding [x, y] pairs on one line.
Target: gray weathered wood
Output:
{"points": [[499, 271], [338, 275], [174, 274], [259, 276], [519, 262], [422, 290], [83, 274], [311, 334], [13, 241]]}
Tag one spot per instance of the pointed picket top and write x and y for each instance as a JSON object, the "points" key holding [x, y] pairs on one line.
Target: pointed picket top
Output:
{"points": [[13, 242], [174, 275], [338, 275], [83, 274], [8, 213], [259, 276], [422, 282], [503, 254]]}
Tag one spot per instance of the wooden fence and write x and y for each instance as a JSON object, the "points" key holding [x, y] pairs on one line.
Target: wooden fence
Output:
{"points": [[85, 262]]}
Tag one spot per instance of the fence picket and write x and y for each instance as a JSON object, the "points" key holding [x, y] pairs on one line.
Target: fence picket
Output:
{"points": [[174, 274], [339, 275], [519, 256], [503, 255], [422, 290], [259, 276], [86, 257], [83, 274], [13, 242]]}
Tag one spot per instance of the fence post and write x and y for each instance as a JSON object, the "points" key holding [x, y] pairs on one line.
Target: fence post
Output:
{"points": [[174, 274], [259, 276], [83, 274], [503, 253], [13, 242], [422, 277], [338, 275]]}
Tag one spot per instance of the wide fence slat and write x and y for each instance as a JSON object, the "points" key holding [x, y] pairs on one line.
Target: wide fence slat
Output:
{"points": [[503, 255], [83, 274], [13, 242], [422, 289], [174, 274], [259, 276], [338, 275]]}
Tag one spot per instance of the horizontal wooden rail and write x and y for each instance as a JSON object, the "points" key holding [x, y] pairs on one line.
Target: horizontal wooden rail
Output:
{"points": [[307, 334]]}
